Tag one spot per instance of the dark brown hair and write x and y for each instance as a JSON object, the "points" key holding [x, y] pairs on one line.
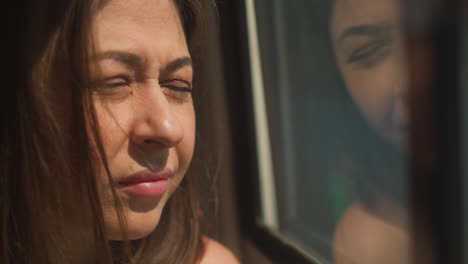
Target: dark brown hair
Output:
{"points": [[48, 184]]}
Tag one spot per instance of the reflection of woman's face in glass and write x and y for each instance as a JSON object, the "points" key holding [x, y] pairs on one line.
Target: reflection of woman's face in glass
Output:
{"points": [[367, 40]]}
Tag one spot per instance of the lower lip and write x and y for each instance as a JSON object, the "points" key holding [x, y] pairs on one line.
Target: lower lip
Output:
{"points": [[147, 189]]}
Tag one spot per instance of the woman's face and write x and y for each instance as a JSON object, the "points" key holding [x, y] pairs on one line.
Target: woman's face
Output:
{"points": [[367, 40], [142, 75]]}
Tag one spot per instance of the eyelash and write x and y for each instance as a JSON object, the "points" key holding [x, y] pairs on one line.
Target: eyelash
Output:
{"points": [[179, 93], [112, 82], [114, 88], [176, 88], [370, 53], [110, 88], [113, 85]]}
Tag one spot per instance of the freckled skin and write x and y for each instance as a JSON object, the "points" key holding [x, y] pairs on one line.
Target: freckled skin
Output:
{"points": [[145, 124]]}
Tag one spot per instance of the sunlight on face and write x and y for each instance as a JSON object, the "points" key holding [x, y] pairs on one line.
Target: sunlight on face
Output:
{"points": [[142, 75], [367, 39]]}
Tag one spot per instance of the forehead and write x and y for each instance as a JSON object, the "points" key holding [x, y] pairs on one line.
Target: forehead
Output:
{"points": [[150, 28], [355, 12]]}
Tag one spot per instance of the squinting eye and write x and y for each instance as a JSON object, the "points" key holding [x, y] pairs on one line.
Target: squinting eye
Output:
{"points": [[370, 53], [177, 89], [112, 82], [111, 85], [114, 88]]}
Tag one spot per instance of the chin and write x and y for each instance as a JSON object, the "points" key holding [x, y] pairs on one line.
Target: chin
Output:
{"points": [[139, 225], [140, 232]]}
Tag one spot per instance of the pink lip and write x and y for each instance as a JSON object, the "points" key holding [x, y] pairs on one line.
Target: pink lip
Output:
{"points": [[146, 183]]}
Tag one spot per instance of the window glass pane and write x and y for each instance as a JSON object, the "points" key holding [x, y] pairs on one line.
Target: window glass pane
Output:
{"points": [[334, 80]]}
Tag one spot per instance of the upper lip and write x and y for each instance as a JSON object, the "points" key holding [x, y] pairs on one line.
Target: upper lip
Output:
{"points": [[146, 176]]}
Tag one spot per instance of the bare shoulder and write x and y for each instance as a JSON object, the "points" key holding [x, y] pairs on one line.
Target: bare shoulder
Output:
{"points": [[216, 253], [363, 238]]}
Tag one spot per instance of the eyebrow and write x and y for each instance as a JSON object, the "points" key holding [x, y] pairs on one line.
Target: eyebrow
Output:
{"points": [[136, 62], [365, 30], [131, 60], [177, 64]]}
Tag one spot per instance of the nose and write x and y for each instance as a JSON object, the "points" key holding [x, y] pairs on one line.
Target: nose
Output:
{"points": [[156, 123]]}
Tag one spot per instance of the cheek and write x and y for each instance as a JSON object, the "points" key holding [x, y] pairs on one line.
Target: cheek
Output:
{"points": [[112, 122], [187, 145], [373, 91]]}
